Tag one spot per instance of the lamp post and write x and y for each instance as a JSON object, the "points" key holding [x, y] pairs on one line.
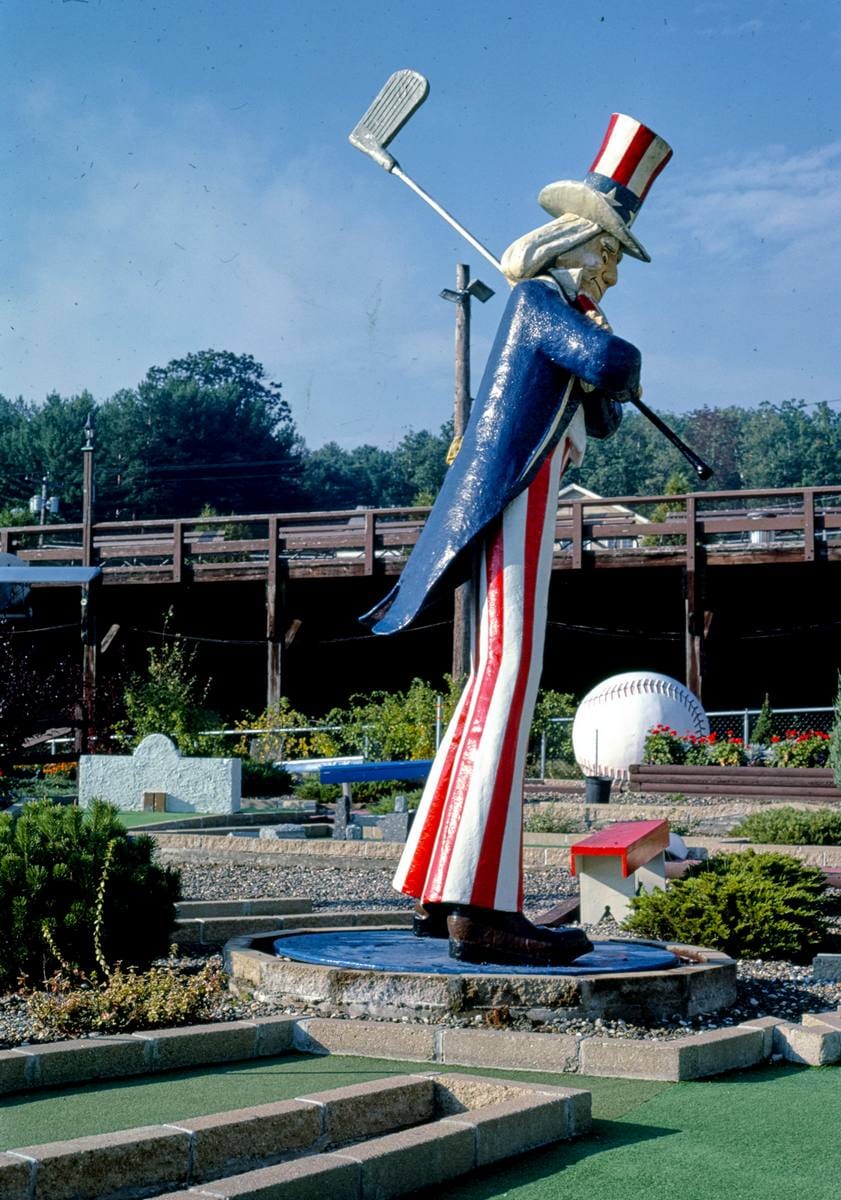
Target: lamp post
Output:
{"points": [[465, 289]]}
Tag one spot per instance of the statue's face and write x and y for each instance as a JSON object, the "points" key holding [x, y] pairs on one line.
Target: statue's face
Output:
{"points": [[598, 261]]}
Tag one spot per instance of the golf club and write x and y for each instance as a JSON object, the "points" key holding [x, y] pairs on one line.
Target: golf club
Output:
{"points": [[403, 94]]}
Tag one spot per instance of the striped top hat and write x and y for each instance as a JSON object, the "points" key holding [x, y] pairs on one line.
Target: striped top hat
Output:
{"points": [[629, 160]]}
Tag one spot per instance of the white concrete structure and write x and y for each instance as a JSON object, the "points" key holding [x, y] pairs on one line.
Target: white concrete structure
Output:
{"points": [[192, 785], [614, 719]]}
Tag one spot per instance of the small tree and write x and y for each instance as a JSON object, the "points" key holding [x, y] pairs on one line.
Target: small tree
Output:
{"points": [[835, 738], [169, 699], [764, 727]]}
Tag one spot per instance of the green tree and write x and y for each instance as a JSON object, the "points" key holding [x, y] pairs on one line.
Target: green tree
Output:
{"points": [[206, 429], [764, 727], [51, 445]]}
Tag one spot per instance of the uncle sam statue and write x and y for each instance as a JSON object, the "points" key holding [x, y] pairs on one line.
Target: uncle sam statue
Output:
{"points": [[556, 373]]}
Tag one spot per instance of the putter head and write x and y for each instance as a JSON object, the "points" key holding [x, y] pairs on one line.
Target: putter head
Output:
{"points": [[403, 93]]}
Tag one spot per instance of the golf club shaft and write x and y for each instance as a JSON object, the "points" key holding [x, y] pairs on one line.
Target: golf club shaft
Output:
{"points": [[442, 212], [701, 469]]}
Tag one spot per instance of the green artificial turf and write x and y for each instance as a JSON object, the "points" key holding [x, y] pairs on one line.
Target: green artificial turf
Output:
{"points": [[132, 819], [121, 1104], [767, 1134]]}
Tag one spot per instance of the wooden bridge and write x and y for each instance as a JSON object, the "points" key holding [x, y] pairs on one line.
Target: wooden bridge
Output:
{"points": [[723, 528], [695, 535]]}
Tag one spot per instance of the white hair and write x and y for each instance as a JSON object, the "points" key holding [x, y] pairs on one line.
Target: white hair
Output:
{"points": [[535, 251]]}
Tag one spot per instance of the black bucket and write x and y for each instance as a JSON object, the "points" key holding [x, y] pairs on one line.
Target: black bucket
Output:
{"points": [[596, 790]]}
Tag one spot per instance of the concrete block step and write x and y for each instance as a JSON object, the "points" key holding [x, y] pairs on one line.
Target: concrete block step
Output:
{"points": [[377, 1139]]}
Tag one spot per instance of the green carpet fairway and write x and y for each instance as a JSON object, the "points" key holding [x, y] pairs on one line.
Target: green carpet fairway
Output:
{"points": [[770, 1134], [122, 1104], [137, 818]]}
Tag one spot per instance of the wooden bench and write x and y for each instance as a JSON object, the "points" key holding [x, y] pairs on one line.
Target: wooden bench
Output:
{"points": [[616, 863]]}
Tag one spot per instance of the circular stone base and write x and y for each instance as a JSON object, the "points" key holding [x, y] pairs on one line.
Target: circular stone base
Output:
{"points": [[399, 950], [703, 981]]}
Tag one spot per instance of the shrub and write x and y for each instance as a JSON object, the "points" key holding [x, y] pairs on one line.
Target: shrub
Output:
{"points": [[386, 804], [551, 705], [664, 747], [168, 699], [73, 1005], [75, 889], [749, 905], [763, 730], [792, 827], [281, 737], [729, 753], [808, 749]]}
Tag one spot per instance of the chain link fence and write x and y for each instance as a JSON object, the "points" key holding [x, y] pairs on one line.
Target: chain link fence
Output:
{"points": [[741, 722]]}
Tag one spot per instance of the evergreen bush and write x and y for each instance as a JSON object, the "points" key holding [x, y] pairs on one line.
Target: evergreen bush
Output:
{"points": [[792, 827], [764, 728], [749, 905], [77, 891]]}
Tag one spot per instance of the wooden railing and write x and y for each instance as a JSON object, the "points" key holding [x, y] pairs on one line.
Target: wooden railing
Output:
{"points": [[801, 524]]}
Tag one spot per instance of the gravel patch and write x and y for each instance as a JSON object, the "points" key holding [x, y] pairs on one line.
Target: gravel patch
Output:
{"points": [[780, 989]]}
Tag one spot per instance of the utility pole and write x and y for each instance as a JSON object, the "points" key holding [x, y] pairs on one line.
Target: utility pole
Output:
{"points": [[88, 600], [465, 289]]}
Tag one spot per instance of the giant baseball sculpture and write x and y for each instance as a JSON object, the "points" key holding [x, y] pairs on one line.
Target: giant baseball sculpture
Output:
{"points": [[556, 373]]}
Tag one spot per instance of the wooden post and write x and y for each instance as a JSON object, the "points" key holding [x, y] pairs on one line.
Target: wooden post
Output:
{"points": [[87, 722], [274, 612], [694, 603], [462, 598]]}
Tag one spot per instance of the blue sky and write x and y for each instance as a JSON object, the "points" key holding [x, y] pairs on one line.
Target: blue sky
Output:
{"points": [[177, 176]]}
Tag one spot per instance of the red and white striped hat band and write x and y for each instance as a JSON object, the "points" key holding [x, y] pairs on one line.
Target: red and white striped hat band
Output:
{"points": [[630, 158]]}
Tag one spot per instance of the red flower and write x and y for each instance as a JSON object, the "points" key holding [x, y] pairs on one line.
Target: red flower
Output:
{"points": [[774, 737]]}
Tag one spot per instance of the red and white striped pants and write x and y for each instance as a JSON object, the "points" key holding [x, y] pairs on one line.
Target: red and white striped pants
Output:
{"points": [[465, 845]]}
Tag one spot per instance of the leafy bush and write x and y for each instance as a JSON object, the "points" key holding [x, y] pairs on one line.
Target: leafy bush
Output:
{"points": [[546, 821], [73, 1005], [792, 827], [808, 749], [281, 737], [664, 747], [386, 804], [749, 905], [75, 890], [668, 747], [168, 699], [551, 705]]}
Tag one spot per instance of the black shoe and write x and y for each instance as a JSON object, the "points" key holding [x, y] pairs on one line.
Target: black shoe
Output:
{"points": [[430, 920], [486, 935]]}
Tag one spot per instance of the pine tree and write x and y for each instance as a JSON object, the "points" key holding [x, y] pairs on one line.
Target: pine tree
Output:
{"points": [[764, 727]]}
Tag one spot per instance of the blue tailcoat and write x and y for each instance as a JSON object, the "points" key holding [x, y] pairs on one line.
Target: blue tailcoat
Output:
{"points": [[517, 419]]}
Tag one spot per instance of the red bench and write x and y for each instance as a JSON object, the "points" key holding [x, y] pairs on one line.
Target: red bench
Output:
{"points": [[615, 863]]}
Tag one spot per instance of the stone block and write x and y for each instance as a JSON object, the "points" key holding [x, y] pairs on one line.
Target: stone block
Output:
{"points": [[89, 1168], [512, 1126], [380, 1039], [215, 931], [721, 1050], [250, 1137], [767, 1025], [638, 1058], [503, 1049], [364, 1110], [832, 1019], [304, 1179], [14, 1071], [15, 1178], [411, 1159], [194, 1045], [827, 967], [77, 1060], [270, 905], [275, 1035], [814, 1045], [186, 933]]}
